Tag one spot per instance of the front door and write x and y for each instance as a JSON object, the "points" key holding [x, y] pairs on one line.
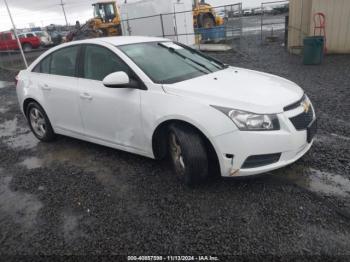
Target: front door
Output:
{"points": [[111, 115]]}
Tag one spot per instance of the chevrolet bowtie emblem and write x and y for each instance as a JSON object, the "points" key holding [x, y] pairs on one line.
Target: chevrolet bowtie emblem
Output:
{"points": [[306, 106]]}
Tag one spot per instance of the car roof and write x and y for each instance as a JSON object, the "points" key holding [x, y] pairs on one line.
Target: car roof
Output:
{"points": [[113, 40], [124, 40]]}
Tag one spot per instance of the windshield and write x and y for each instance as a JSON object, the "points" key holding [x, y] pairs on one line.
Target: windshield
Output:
{"points": [[104, 11], [39, 33], [168, 62]]}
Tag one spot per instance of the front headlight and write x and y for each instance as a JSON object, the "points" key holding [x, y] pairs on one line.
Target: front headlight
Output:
{"points": [[247, 121]]}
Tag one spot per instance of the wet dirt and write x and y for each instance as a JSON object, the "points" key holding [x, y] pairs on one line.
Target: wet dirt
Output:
{"points": [[15, 136], [321, 182], [74, 197], [5, 84]]}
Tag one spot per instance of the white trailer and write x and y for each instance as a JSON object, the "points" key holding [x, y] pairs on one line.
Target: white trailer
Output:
{"points": [[172, 19]]}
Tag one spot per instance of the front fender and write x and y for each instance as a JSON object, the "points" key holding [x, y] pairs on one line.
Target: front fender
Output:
{"points": [[158, 107]]}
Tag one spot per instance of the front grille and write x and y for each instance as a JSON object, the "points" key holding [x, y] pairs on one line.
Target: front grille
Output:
{"points": [[302, 121], [261, 160]]}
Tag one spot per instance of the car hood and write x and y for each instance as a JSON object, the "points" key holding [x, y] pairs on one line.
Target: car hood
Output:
{"points": [[240, 88]]}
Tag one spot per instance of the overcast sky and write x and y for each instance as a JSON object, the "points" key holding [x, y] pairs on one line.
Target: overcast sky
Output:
{"points": [[45, 12]]}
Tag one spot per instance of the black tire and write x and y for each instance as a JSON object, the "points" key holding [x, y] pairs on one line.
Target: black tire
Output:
{"points": [[47, 136], [27, 47], [193, 168], [104, 32]]}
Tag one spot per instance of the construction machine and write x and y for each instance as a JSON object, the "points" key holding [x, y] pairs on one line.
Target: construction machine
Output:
{"points": [[204, 15], [106, 22], [106, 18]]}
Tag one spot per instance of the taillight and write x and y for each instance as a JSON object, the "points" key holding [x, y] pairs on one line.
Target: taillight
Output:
{"points": [[16, 80]]}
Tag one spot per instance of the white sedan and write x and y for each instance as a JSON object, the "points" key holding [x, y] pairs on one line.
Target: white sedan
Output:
{"points": [[158, 98]]}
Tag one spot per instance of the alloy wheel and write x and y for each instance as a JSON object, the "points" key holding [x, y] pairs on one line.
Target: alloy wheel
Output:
{"points": [[37, 122], [177, 155]]}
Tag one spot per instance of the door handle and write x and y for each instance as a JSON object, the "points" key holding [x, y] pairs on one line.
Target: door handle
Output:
{"points": [[45, 87], [86, 96]]}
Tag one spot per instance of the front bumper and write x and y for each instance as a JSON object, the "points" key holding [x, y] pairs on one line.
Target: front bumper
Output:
{"points": [[235, 147]]}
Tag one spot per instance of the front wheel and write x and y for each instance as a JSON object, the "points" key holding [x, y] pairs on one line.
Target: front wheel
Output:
{"points": [[188, 154], [27, 47]]}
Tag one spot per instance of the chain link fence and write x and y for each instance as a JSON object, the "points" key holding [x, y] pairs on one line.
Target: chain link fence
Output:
{"points": [[243, 31], [183, 28], [273, 19]]}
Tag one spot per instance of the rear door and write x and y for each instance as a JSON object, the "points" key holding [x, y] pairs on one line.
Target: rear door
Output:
{"points": [[33, 40], [59, 86], [112, 115]]}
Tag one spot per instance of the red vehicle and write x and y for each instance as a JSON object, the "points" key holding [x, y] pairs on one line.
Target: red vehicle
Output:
{"points": [[8, 41]]}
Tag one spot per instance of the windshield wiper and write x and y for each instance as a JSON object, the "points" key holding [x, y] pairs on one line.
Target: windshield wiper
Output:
{"points": [[173, 50], [218, 64]]}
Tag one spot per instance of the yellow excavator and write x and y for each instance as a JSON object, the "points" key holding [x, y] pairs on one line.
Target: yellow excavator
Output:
{"points": [[204, 15], [106, 22], [106, 18]]}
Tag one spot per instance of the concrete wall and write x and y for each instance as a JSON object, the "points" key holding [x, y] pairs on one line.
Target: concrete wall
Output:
{"points": [[337, 13]]}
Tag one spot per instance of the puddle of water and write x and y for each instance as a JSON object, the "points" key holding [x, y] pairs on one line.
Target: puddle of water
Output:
{"points": [[32, 163], [71, 230], [331, 139], [5, 84], [22, 207], [17, 137], [3, 110], [81, 158], [329, 183], [25, 141], [6, 106], [317, 181], [341, 137], [8, 128], [70, 223]]}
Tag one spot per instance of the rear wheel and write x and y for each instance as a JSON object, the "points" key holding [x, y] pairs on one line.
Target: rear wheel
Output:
{"points": [[27, 47], [188, 154], [39, 123]]}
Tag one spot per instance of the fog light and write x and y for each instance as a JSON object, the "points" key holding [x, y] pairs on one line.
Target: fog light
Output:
{"points": [[234, 172]]}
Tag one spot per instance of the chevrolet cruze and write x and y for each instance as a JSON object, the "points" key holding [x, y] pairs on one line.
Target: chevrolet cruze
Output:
{"points": [[158, 98]]}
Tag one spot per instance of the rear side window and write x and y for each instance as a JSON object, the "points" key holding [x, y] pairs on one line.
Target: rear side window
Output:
{"points": [[43, 66], [5, 36], [63, 62], [100, 62]]}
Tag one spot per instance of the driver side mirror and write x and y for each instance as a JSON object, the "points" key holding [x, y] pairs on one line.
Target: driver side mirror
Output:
{"points": [[119, 80]]}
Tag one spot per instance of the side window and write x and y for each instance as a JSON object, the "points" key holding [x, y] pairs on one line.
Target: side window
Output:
{"points": [[43, 66], [63, 62], [20, 36], [100, 62], [36, 69], [30, 35]]}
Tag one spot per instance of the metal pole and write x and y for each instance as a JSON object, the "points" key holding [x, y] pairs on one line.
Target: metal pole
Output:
{"points": [[162, 24], [175, 27], [15, 31], [261, 22], [64, 12]]}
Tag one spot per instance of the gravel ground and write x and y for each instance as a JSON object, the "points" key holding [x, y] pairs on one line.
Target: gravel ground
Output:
{"points": [[73, 197]]}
